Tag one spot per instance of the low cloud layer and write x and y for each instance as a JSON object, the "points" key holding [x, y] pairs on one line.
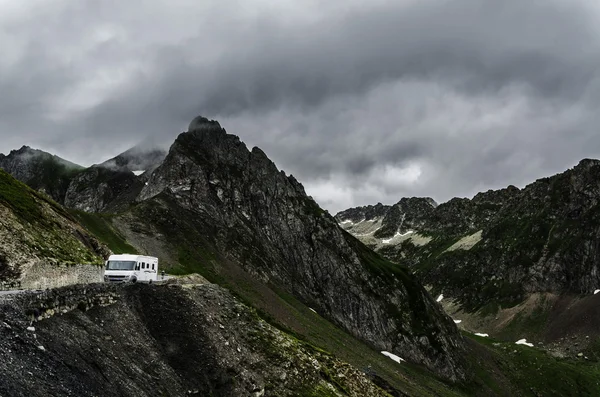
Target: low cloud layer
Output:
{"points": [[362, 102]]}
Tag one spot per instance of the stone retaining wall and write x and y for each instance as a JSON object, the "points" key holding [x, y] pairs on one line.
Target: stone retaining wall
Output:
{"points": [[47, 303], [44, 275]]}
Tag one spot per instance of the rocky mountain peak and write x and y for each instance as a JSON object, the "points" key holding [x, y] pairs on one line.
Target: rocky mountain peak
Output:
{"points": [[267, 224], [24, 149], [369, 212], [587, 163], [201, 123]]}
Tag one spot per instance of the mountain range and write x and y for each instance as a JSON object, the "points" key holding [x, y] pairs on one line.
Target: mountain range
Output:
{"points": [[502, 252], [350, 284]]}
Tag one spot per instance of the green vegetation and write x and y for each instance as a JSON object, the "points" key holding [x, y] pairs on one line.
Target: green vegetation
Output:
{"points": [[54, 174], [100, 226], [43, 230], [530, 371], [20, 198]]}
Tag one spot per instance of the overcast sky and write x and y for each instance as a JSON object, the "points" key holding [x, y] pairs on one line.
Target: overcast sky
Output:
{"points": [[362, 101]]}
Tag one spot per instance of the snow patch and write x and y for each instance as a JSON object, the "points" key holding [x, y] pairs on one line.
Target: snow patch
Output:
{"points": [[523, 342], [595, 292], [138, 173], [457, 321], [313, 310], [347, 221], [439, 298], [393, 356], [366, 234], [387, 241], [482, 335], [466, 243]]}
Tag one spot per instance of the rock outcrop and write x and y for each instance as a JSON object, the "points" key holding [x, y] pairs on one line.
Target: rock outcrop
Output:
{"points": [[100, 189]]}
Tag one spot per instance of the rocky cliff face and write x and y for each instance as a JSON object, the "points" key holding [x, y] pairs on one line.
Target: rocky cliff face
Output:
{"points": [[263, 220], [35, 232], [502, 245], [100, 189], [40, 170]]}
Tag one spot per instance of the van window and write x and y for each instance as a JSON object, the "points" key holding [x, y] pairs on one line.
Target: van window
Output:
{"points": [[143, 265], [153, 266], [119, 265], [137, 266]]}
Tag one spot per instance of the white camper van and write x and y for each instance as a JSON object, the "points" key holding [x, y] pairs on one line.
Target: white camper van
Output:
{"points": [[131, 268]]}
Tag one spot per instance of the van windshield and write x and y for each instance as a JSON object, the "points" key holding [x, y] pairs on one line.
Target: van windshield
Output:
{"points": [[120, 265]]}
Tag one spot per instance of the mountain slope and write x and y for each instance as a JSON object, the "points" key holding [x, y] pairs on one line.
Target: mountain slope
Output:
{"points": [[223, 201], [40, 170], [37, 234]]}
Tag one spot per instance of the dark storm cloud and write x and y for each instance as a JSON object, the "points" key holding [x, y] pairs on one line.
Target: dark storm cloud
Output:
{"points": [[363, 102]]}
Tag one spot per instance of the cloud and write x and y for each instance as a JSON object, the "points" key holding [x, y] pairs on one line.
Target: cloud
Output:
{"points": [[351, 97]]}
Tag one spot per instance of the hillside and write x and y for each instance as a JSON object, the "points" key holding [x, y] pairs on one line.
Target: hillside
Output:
{"points": [[38, 237]]}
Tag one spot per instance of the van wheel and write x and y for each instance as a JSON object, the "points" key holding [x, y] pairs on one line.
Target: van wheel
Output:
{"points": [[150, 282], [134, 280]]}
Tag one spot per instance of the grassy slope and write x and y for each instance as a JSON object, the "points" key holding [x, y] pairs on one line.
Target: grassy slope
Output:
{"points": [[39, 216], [100, 225], [530, 371]]}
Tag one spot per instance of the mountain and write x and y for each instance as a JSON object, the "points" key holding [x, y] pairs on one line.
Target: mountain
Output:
{"points": [[107, 187], [501, 249], [218, 202], [137, 159], [114, 184], [40, 170], [40, 240]]}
